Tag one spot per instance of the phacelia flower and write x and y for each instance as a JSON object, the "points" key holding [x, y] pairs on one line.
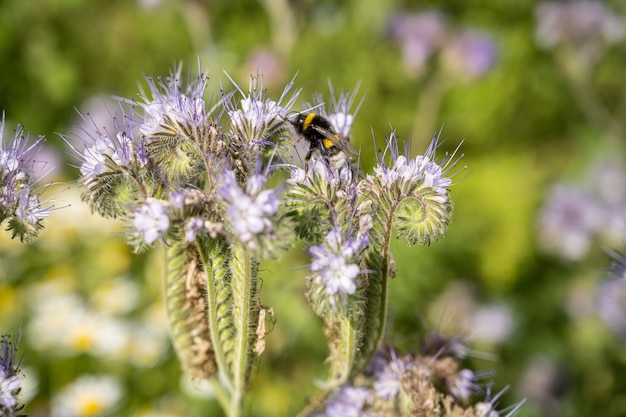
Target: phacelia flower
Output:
{"points": [[463, 384], [255, 117], [334, 264], [174, 107], [192, 226], [404, 172], [388, 380], [20, 200], [105, 152], [348, 402], [8, 386], [10, 382], [250, 210], [151, 219]]}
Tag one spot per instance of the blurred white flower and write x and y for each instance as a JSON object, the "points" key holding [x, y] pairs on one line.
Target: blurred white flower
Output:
{"points": [[88, 396], [491, 324], [147, 345], [118, 296]]}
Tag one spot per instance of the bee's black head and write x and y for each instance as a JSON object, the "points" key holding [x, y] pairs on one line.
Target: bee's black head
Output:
{"points": [[297, 120]]}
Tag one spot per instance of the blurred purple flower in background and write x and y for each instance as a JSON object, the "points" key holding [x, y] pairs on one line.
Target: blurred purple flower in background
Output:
{"points": [[584, 26], [568, 221], [420, 35], [470, 55], [466, 54], [611, 299], [574, 216]]}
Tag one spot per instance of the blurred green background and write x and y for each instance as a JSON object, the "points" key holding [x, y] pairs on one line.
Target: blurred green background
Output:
{"points": [[535, 114]]}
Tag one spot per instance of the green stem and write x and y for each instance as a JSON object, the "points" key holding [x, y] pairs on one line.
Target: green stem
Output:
{"points": [[221, 395], [342, 337], [377, 305], [428, 108], [208, 259], [245, 305]]}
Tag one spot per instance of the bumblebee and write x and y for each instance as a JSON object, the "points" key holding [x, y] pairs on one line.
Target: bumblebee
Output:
{"points": [[323, 140]]}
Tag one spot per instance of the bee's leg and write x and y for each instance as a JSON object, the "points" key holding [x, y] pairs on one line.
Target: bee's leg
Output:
{"points": [[307, 158]]}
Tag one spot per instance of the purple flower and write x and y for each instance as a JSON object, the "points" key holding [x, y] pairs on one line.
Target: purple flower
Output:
{"points": [[171, 107], [611, 296], [9, 379], [8, 386], [151, 219], [583, 26], [463, 384], [568, 220], [255, 117], [420, 35], [104, 152], [470, 55], [192, 226], [334, 266], [342, 122], [19, 199], [348, 402], [250, 210], [388, 380], [404, 172]]}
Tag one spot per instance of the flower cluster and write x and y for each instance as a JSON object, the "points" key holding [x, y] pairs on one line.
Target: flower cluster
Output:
{"points": [[431, 382], [404, 173], [251, 210], [196, 178], [335, 264], [467, 54], [21, 208]]}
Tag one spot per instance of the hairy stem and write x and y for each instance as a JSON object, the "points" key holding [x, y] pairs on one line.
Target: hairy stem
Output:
{"points": [[213, 256], [245, 314]]}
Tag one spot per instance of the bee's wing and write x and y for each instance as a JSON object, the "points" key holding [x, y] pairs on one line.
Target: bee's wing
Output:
{"points": [[343, 144]]}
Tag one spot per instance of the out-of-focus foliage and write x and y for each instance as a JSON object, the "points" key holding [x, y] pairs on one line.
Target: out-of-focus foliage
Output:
{"points": [[543, 126]]}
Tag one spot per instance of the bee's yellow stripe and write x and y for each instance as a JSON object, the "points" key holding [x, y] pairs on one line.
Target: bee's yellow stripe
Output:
{"points": [[308, 120], [327, 143]]}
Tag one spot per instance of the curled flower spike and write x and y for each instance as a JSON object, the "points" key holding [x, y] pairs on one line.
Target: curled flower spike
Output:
{"points": [[413, 190], [20, 201], [404, 172]]}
